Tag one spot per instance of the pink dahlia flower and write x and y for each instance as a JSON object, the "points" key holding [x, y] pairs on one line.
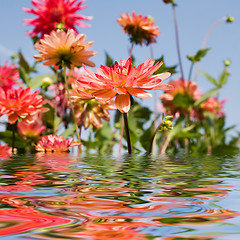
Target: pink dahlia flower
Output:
{"points": [[61, 46], [122, 80], [141, 29], [54, 143], [180, 99], [8, 76], [20, 103], [30, 130], [212, 105], [51, 13]]}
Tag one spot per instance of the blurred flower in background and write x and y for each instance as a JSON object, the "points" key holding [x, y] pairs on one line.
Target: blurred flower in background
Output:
{"points": [[9, 74], [141, 29]]}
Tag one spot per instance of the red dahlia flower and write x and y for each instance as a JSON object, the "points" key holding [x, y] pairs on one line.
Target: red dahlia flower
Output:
{"points": [[50, 13], [20, 103], [8, 76]]}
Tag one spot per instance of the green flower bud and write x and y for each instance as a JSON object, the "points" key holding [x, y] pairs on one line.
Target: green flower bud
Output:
{"points": [[227, 62], [60, 26], [230, 19], [150, 18], [169, 117], [46, 82]]}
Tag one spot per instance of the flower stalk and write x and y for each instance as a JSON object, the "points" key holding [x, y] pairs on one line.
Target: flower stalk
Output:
{"points": [[14, 127], [177, 40], [127, 133], [70, 102]]}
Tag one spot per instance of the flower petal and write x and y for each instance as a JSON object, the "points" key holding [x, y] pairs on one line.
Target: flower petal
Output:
{"points": [[137, 92], [12, 118], [122, 102], [103, 95]]}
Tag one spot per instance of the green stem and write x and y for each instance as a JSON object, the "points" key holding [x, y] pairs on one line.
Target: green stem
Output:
{"points": [[153, 139], [190, 71], [127, 133], [71, 105], [204, 43], [177, 41], [13, 135]]}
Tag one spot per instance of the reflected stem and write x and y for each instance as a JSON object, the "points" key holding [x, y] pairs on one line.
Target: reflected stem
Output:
{"points": [[127, 133]]}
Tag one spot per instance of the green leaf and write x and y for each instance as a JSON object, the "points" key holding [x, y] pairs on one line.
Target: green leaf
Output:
{"points": [[109, 60], [223, 77], [23, 63], [69, 131], [199, 55], [183, 101], [163, 67], [145, 139], [190, 135], [37, 81], [210, 79], [210, 93], [7, 138], [176, 129], [24, 76]]}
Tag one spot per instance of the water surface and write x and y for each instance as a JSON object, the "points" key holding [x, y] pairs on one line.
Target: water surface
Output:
{"points": [[62, 196]]}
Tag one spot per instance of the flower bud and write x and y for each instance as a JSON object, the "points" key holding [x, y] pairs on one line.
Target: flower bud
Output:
{"points": [[227, 62], [230, 19], [169, 1], [46, 82], [61, 26]]}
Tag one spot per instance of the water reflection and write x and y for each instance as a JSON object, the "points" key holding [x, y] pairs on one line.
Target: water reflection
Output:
{"points": [[54, 196]]}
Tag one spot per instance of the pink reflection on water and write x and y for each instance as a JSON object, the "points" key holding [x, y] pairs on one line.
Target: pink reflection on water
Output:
{"points": [[101, 209]]}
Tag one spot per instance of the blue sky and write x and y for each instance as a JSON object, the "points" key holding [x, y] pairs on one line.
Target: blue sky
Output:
{"points": [[194, 20]]}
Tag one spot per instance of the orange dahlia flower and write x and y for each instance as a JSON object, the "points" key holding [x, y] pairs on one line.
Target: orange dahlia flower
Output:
{"points": [[54, 143], [140, 29], [20, 103], [122, 80], [30, 130], [8, 76], [64, 47], [50, 13]]}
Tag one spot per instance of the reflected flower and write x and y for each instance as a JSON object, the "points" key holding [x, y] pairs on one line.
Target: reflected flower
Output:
{"points": [[8, 76], [141, 29], [60, 46], [20, 103], [54, 143], [122, 80], [51, 13], [24, 219]]}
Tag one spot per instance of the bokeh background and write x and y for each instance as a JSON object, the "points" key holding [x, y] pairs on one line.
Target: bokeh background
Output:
{"points": [[194, 20]]}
